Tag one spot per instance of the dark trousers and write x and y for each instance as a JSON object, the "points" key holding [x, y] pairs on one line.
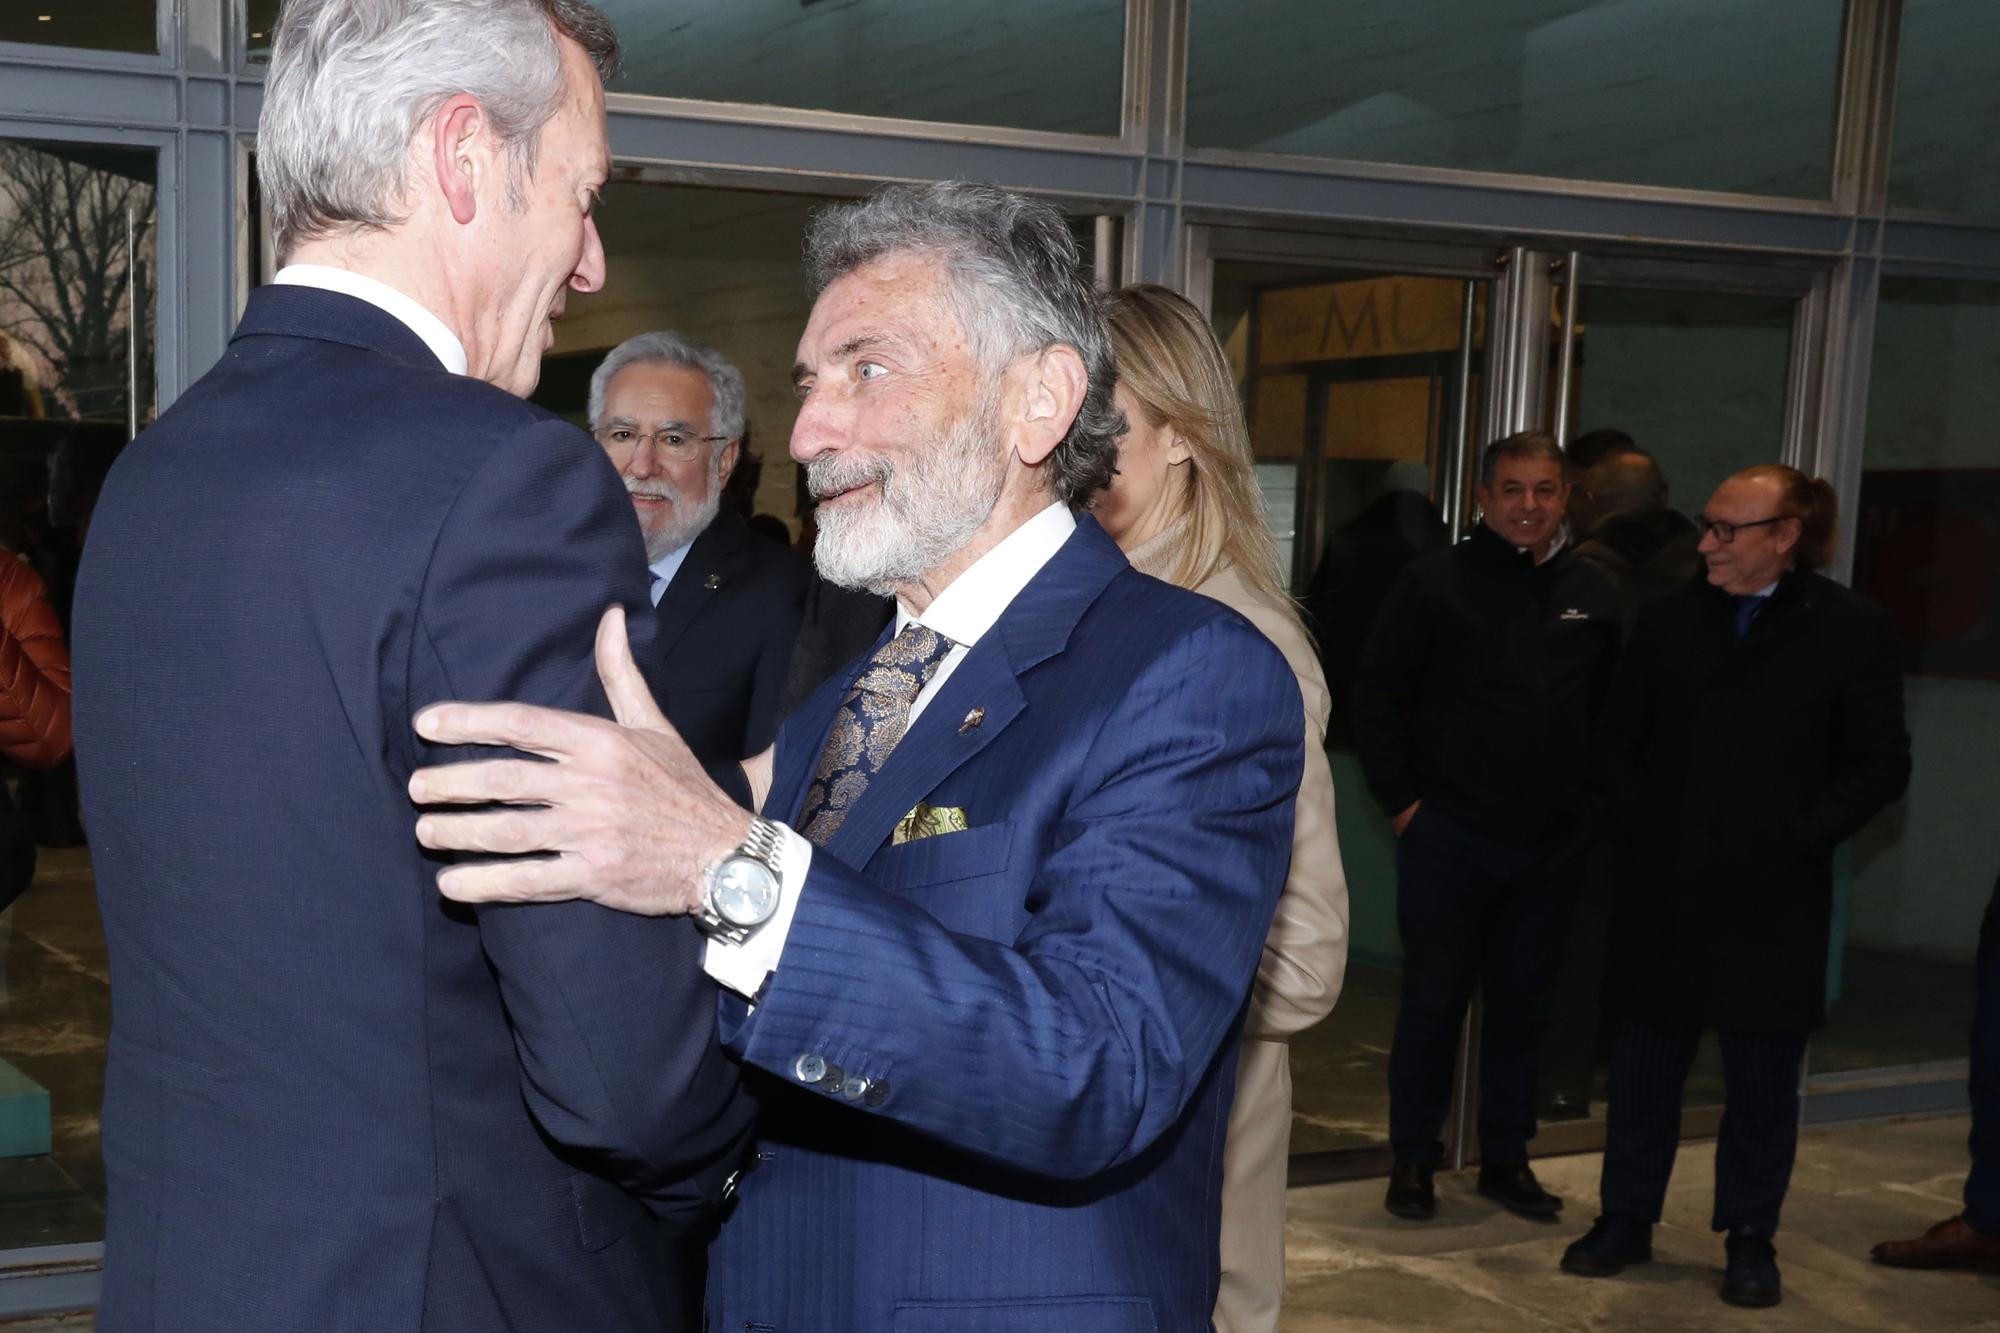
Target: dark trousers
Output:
{"points": [[1982, 1186], [1760, 1123], [1474, 909]]}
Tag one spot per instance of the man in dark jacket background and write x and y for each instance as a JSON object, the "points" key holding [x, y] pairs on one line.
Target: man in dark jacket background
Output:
{"points": [[1618, 509], [1756, 723], [1643, 548], [1471, 711]]}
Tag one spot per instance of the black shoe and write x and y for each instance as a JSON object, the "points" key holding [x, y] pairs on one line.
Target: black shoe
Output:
{"points": [[1751, 1279], [1411, 1193], [1609, 1247], [1514, 1187]]}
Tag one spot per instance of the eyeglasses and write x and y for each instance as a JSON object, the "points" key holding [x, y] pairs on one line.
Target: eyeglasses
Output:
{"points": [[621, 442], [1726, 532]]}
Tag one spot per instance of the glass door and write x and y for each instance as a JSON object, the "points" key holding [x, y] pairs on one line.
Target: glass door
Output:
{"points": [[77, 299], [1373, 372], [1693, 363], [1362, 378]]}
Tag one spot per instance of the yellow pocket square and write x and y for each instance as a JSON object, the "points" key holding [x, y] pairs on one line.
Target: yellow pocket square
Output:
{"points": [[927, 821]]}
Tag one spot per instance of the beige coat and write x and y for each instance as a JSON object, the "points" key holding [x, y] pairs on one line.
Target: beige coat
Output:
{"points": [[1298, 979]]}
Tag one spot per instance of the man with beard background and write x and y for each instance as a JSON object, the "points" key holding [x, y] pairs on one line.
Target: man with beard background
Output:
{"points": [[987, 994], [668, 412]]}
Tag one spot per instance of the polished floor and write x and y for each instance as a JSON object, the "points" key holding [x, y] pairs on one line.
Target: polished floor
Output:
{"points": [[1892, 1011], [55, 1015], [1353, 1267]]}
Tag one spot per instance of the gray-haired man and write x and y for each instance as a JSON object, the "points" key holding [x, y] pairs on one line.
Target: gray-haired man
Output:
{"points": [[669, 413], [990, 986], [333, 1101]]}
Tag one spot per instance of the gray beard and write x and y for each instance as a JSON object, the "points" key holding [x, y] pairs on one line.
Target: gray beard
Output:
{"points": [[687, 522], [926, 510]]}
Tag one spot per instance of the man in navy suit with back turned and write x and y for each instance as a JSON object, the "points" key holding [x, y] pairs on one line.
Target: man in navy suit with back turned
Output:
{"points": [[989, 952], [668, 412], [334, 1100]]}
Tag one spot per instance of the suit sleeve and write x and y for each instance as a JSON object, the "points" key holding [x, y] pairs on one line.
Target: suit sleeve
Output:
{"points": [[1076, 1044], [613, 1017], [1871, 746]]}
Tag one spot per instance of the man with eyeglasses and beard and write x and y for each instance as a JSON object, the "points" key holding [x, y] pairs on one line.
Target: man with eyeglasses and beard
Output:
{"points": [[1755, 723], [990, 945], [668, 412]]}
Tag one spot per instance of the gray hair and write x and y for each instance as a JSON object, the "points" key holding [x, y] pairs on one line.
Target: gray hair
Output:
{"points": [[1014, 279], [351, 81], [666, 347], [1521, 444]]}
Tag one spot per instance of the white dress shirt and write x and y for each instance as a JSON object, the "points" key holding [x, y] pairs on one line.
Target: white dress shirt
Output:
{"points": [[963, 613], [444, 344]]}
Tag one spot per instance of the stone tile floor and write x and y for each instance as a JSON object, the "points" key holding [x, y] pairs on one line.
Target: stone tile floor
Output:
{"points": [[1353, 1267]]}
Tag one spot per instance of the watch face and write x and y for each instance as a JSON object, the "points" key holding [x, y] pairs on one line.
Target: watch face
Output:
{"points": [[745, 891]]}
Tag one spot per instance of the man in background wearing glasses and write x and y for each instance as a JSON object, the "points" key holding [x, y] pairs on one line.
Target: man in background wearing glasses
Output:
{"points": [[669, 414], [1755, 723]]}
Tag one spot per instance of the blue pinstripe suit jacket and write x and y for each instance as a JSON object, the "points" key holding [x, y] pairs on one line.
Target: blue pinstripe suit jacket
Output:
{"points": [[1044, 1004]]}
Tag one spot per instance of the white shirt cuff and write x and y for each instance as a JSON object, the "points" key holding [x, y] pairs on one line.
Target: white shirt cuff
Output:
{"points": [[744, 967]]}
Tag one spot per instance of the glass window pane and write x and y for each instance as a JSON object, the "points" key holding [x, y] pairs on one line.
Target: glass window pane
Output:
{"points": [[1653, 92], [1036, 64], [1947, 155], [945, 60], [259, 18], [93, 25], [1913, 884], [1640, 355], [76, 276], [1347, 378]]}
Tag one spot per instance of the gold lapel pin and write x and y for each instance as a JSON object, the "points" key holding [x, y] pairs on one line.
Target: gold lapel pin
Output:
{"points": [[712, 581], [972, 719]]}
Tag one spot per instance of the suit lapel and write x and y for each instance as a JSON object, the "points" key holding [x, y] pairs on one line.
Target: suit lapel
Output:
{"points": [[704, 577], [1035, 627]]}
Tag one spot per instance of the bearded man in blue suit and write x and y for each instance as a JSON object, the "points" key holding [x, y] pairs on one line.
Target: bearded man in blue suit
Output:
{"points": [[988, 950], [334, 1100]]}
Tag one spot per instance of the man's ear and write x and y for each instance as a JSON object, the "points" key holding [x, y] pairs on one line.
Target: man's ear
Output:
{"points": [[1052, 387], [458, 154], [727, 463]]}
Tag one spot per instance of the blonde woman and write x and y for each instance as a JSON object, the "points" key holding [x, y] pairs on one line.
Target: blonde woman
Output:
{"points": [[1185, 508]]}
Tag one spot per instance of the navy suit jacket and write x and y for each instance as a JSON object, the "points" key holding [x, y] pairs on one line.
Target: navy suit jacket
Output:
{"points": [[333, 1099], [727, 624], [995, 1065]]}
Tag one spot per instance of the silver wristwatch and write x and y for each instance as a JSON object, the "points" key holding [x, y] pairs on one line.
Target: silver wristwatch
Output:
{"points": [[740, 892]]}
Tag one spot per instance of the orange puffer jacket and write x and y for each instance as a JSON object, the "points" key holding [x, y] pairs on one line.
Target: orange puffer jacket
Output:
{"points": [[34, 670]]}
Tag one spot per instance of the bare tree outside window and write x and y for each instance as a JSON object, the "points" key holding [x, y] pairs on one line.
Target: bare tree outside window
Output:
{"points": [[76, 268]]}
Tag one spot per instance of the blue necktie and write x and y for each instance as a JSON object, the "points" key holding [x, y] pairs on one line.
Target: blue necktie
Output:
{"points": [[1747, 606], [870, 722]]}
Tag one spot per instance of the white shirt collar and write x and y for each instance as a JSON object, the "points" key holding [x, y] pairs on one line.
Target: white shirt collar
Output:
{"points": [[966, 609], [444, 344]]}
